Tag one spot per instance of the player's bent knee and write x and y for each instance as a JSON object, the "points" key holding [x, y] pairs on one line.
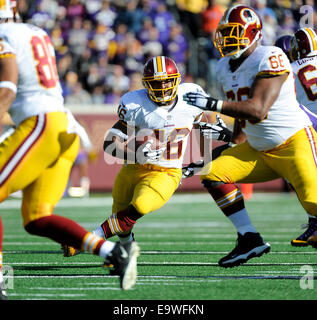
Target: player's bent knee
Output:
{"points": [[36, 227], [32, 211], [142, 208]]}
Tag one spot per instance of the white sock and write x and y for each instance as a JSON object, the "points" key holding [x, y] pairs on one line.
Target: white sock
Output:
{"points": [[242, 222], [106, 248], [99, 232], [125, 239]]}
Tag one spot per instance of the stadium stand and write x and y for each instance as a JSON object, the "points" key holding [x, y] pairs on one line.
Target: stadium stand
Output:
{"points": [[93, 37]]}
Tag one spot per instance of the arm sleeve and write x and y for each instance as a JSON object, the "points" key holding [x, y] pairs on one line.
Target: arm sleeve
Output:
{"points": [[6, 49], [127, 112]]}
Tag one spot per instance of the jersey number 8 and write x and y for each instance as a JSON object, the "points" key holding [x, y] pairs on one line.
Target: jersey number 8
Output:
{"points": [[46, 63]]}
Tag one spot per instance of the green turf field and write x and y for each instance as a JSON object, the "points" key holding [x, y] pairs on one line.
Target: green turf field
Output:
{"points": [[180, 246]]}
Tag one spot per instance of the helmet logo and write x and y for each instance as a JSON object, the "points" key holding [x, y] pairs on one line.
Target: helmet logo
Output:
{"points": [[248, 16]]}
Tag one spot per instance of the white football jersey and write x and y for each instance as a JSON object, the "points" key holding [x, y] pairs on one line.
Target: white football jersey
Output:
{"points": [[172, 124], [285, 117], [39, 90], [305, 71]]}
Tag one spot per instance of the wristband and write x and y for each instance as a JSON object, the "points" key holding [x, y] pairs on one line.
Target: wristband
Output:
{"points": [[9, 85], [219, 106]]}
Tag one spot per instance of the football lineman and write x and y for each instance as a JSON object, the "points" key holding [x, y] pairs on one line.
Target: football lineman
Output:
{"points": [[302, 49], [257, 87], [38, 155], [152, 171]]}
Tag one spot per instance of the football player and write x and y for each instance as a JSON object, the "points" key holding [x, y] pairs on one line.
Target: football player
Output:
{"points": [[297, 48], [257, 87], [152, 170], [38, 155], [303, 55]]}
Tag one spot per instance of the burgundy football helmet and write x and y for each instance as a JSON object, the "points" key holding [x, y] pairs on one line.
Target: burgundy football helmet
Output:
{"points": [[157, 72], [304, 44], [239, 27]]}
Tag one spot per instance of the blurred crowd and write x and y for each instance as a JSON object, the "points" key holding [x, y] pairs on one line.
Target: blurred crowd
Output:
{"points": [[102, 45]]}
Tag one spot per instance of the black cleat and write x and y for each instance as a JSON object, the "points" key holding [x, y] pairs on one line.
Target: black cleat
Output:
{"points": [[249, 245], [3, 293], [302, 240], [312, 240], [124, 259], [108, 264]]}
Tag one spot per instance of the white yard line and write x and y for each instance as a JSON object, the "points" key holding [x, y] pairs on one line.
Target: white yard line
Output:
{"points": [[45, 295], [147, 243], [179, 263], [76, 288], [162, 252]]}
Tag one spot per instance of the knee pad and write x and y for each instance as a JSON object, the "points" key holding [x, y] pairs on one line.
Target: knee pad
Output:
{"points": [[141, 207]]}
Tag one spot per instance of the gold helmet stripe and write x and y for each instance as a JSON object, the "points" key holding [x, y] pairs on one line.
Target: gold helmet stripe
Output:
{"points": [[312, 38], [159, 64]]}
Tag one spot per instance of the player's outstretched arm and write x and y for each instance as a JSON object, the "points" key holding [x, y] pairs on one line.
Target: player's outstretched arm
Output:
{"points": [[263, 94]]}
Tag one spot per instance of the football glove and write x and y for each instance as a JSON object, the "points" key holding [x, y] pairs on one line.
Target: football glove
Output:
{"points": [[145, 153], [217, 131], [189, 170], [203, 101]]}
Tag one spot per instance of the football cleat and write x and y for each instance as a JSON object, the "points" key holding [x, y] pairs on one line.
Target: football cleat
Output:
{"points": [[302, 240], [3, 293], [124, 259], [249, 245], [108, 264], [69, 251], [312, 240]]}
